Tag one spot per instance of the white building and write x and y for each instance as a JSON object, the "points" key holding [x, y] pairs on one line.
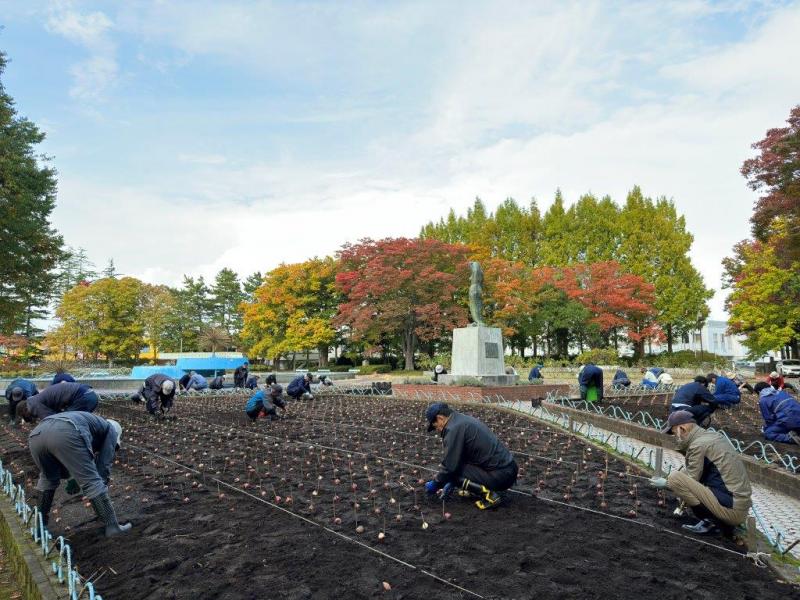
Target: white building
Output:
{"points": [[713, 337]]}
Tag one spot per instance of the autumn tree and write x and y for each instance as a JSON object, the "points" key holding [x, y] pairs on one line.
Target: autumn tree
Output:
{"points": [[103, 318], [406, 288], [31, 247], [156, 313], [292, 310], [775, 173]]}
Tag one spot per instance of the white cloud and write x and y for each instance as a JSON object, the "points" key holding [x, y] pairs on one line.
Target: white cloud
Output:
{"points": [[95, 75], [512, 100]]}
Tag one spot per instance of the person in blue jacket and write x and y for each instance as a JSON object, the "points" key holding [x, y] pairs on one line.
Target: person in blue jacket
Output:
{"points": [[591, 376], [725, 390], [300, 387], [17, 391], [62, 377], [620, 379], [651, 375], [695, 398], [262, 404], [58, 398], [196, 382], [536, 373], [781, 415]]}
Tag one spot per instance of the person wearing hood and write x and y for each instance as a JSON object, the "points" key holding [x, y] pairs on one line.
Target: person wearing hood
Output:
{"points": [[158, 391], [80, 446], [17, 391], [714, 482], [781, 415], [58, 398]]}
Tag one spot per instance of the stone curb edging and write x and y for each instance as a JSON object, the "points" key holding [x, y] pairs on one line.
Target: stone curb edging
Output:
{"points": [[31, 570], [772, 477]]}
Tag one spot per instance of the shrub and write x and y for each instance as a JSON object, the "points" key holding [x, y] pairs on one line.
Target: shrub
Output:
{"points": [[599, 356], [468, 381], [372, 369], [426, 363]]}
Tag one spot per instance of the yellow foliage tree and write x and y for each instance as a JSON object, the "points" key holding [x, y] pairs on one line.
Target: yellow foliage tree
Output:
{"points": [[292, 310]]}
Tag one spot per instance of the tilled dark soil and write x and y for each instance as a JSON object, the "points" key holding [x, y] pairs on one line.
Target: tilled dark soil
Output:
{"points": [[224, 509]]}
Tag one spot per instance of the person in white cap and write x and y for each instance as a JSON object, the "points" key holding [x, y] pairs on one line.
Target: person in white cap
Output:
{"points": [[714, 482], [438, 370], [777, 381], [159, 392], [81, 446]]}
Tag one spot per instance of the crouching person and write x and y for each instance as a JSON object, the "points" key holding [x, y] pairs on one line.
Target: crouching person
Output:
{"points": [[158, 391], [474, 459], [262, 404], [714, 483], [56, 399], [781, 415], [81, 446], [300, 387]]}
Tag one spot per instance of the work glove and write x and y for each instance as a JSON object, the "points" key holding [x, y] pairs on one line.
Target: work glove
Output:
{"points": [[431, 487], [658, 482], [445, 492], [72, 487]]}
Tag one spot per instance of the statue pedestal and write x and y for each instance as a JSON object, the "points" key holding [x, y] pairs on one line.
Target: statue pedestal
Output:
{"points": [[478, 353]]}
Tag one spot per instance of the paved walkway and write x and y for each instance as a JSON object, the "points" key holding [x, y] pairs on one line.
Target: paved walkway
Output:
{"points": [[777, 515]]}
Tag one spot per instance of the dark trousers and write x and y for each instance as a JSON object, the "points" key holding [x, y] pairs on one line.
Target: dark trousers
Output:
{"points": [[496, 480], [701, 412]]}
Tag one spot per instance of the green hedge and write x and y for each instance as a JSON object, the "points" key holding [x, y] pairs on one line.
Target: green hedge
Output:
{"points": [[372, 369]]}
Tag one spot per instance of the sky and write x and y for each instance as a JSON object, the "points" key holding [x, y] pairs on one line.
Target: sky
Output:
{"points": [[195, 135]]}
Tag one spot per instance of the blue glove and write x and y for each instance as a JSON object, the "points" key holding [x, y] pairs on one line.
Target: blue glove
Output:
{"points": [[445, 492], [431, 487]]}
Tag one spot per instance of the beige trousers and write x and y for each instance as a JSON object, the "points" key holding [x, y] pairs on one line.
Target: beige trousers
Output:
{"points": [[693, 493]]}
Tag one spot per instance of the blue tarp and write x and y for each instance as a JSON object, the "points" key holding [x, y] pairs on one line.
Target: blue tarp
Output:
{"points": [[211, 365], [145, 372]]}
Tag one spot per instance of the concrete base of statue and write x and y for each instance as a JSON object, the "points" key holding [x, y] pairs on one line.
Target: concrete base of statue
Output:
{"points": [[478, 354]]}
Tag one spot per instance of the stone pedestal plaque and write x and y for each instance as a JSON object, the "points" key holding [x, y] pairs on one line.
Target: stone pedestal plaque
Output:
{"points": [[478, 353]]}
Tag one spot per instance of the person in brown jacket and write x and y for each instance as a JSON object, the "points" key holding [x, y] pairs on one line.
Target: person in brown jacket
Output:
{"points": [[714, 482]]}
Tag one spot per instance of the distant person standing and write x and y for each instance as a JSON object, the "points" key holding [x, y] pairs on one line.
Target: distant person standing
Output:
{"points": [[240, 375]]}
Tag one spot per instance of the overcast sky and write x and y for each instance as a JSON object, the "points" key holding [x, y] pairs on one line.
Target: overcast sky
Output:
{"points": [[190, 136]]}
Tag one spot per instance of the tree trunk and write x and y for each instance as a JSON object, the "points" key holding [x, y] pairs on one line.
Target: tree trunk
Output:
{"points": [[535, 347], [323, 356], [409, 340], [669, 338]]}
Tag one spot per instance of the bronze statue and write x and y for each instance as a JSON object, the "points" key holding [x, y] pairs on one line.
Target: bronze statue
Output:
{"points": [[476, 294]]}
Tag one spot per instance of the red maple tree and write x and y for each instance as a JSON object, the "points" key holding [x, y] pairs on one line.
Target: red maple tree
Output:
{"points": [[410, 289]]}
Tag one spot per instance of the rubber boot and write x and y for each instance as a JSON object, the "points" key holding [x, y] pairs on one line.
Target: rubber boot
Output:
{"points": [[45, 504], [105, 512], [487, 498]]}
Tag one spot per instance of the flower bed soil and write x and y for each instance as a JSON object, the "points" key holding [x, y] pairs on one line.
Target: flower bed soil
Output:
{"points": [[742, 422], [225, 509]]}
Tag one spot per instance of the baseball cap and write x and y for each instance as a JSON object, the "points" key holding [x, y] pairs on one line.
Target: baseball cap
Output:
{"points": [[433, 411], [679, 417]]}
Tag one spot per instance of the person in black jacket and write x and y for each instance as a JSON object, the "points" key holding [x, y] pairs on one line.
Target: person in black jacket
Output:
{"points": [[695, 398], [58, 398], [474, 459], [217, 383], [240, 375], [17, 391], [159, 392]]}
